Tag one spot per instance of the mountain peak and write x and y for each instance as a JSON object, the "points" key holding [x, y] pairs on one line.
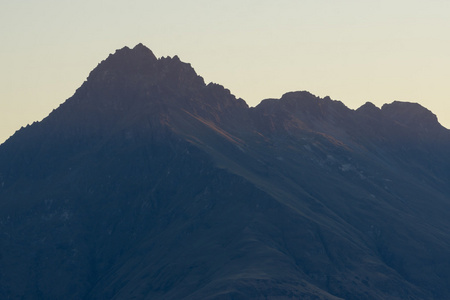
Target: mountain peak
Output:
{"points": [[138, 68], [298, 95], [130, 58], [141, 46], [369, 109], [410, 114], [138, 50], [132, 84]]}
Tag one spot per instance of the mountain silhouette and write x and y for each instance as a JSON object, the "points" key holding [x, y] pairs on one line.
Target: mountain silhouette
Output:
{"points": [[150, 184]]}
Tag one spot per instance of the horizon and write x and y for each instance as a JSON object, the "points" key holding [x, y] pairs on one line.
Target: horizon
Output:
{"points": [[352, 52]]}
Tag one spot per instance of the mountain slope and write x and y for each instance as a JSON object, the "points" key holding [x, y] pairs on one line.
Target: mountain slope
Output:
{"points": [[150, 184]]}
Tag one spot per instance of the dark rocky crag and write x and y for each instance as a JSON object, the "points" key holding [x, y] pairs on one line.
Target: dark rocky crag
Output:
{"points": [[150, 184]]}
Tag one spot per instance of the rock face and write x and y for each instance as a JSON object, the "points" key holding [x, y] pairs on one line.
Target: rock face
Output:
{"points": [[149, 184]]}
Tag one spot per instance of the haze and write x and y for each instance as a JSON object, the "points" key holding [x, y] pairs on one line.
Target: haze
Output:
{"points": [[353, 51]]}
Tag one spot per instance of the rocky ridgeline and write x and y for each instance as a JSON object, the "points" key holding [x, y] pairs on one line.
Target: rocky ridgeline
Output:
{"points": [[150, 184]]}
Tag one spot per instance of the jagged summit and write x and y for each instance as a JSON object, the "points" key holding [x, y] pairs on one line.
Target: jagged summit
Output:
{"points": [[132, 86], [125, 60], [140, 64]]}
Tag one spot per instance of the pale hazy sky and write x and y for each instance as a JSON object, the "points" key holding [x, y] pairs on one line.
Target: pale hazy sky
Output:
{"points": [[352, 50]]}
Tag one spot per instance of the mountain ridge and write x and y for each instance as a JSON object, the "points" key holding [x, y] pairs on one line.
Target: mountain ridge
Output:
{"points": [[141, 62], [149, 183]]}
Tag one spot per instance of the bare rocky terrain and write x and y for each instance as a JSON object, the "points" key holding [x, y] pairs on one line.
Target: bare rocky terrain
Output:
{"points": [[149, 184]]}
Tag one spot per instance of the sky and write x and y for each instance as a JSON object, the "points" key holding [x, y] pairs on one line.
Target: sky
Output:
{"points": [[351, 50]]}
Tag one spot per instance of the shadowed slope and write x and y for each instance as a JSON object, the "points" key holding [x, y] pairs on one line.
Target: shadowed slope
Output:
{"points": [[150, 184]]}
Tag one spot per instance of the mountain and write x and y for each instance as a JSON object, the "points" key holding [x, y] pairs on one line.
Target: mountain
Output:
{"points": [[149, 184]]}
